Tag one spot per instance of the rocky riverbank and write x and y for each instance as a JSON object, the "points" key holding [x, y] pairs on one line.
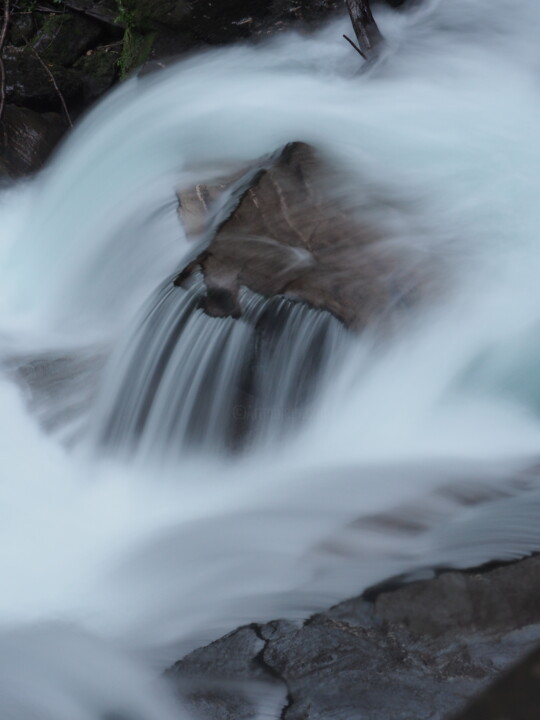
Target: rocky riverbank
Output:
{"points": [[59, 57], [418, 652]]}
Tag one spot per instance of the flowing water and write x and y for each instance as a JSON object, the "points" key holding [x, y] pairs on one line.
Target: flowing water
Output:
{"points": [[129, 532]]}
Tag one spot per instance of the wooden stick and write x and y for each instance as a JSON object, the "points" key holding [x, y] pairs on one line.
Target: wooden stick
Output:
{"points": [[3, 33], [365, 28], [55, 85], [355, 46]]}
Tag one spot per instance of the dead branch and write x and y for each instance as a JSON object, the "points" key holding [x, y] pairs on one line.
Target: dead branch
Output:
{"points": [[355, 46], [55, 85], [3, 33], [365, 28]]}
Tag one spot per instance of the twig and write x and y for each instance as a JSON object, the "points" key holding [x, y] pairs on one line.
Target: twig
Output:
{"points": [[3, 33], [55, 85], [109, 45], [48, 10], [365, 28], [355, 46]]}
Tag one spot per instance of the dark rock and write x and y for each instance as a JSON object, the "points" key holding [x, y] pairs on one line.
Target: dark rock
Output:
{"points": [[27, 138], [467, 600], [210, 681], [22, 28], [415, 653], [180, 26], [98, 70], [154, 13], [29, 83], [66, 36], [230, 20], [211, 22], [286, 235], [106, 11], [515, 696]]}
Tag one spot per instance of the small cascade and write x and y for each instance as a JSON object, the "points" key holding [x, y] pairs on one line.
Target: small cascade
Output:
{"points": [[191, 380]]}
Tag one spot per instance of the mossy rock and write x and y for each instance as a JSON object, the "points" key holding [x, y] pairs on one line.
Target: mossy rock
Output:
{"points": [[29, 83], [65, 37], [99, 70], [135, 50]]}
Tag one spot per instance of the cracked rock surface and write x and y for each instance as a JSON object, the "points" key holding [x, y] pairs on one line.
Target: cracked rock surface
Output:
{"points": [[418, 652]]}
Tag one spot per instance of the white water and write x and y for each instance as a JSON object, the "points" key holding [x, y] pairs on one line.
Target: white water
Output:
{"points": [[112, 567]]}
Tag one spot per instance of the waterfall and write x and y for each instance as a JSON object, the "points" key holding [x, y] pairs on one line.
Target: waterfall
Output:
{"points": [[193, 380]]}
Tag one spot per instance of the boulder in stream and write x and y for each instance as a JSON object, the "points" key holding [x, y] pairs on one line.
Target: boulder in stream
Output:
{"points": [[417, 652], [282, 233]]}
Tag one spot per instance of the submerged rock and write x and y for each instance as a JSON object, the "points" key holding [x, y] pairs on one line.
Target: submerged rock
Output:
{"points": [[57, 388], [418, 652], [283, 233]]}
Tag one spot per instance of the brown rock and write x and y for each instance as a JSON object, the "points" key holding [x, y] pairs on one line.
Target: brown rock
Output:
{"points": [[286, 235]]}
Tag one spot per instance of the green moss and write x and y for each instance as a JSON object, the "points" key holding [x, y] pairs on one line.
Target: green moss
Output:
{"points": [[136, 48], [140, 19], [64, 37], [101, 63]]}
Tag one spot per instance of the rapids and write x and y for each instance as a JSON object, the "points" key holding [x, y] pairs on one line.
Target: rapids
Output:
{"points": [[118, 557]]}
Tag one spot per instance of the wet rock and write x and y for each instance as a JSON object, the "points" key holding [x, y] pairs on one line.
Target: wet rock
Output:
{"points": [[284, 234], [27, 138], [209, 679], [180, 26], [415, 653], [64, 37], [499, 600], [154, 13], [216, 23], [57, 388], [210, 22], [515, 696]]}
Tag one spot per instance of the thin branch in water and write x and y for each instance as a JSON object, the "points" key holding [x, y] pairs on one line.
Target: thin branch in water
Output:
{"points": [[367, 33], [55, 85], [355, 46], [3, 33]]}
